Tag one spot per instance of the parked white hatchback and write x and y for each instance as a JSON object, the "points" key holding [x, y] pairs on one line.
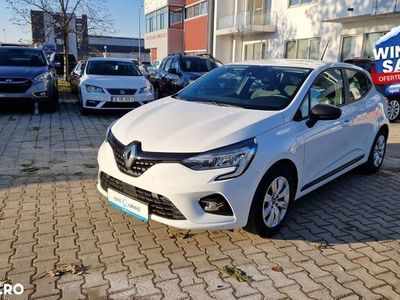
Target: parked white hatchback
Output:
{"points": [[240, 144], [113, 83]]}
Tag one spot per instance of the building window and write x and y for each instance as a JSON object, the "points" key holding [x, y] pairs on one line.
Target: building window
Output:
{"points": [[303, 49], [195, 10], [369, 43], [255, 50], [157, 20], [300, 2], [348, 47]]}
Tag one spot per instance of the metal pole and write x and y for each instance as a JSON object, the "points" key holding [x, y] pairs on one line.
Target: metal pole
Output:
{"points": [[140, 40], [4, 33]]}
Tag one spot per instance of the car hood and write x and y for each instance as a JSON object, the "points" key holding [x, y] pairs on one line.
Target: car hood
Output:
{"points": [[22, 72], [115, 81], [194, 75], [171, 125]]}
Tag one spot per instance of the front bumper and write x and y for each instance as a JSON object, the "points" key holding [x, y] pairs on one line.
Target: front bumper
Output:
{"points": [[184, 188], [102, 101], [37, 92]]}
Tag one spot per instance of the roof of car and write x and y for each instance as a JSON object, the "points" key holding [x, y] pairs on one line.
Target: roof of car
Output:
{"points": [[20, 47], [297, 63], [110, 58]]}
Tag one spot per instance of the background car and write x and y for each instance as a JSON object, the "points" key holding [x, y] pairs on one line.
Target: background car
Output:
{"points": [[239, 145], [177, 71], [75, 76], [393, 101], [57, 60], [26, 74], [113, 83]]}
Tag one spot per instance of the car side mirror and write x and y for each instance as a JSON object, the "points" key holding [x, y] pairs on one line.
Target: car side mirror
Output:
{"points": [[323, 112]]}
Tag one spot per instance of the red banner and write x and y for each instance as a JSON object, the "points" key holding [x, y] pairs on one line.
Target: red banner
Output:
{"points": [[385, 78]]}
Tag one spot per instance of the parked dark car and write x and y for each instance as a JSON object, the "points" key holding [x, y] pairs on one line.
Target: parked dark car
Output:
{"points": [[57, 59], [25, 74], [177, 71], [75, 76], [393, 101]]}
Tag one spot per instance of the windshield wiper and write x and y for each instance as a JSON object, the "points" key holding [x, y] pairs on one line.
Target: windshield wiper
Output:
{"points": [[219, 103]]}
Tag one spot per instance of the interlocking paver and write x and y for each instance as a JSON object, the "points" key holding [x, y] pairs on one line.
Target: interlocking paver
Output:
{"points": [[337, 243]]}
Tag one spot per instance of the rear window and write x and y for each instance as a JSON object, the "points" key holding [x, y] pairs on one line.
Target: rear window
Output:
{"points": [[197, 64], [22, 57], [112, 68], [358, 84]]}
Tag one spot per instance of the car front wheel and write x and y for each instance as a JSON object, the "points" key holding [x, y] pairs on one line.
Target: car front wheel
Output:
{"points": [[393, 110], [272, 202]]}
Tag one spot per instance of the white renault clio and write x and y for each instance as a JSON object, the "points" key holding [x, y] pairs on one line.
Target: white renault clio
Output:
{"points": [[113, 83], [239, 145]]}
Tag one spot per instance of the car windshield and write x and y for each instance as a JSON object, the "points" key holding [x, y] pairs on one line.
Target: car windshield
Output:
{"points": [[252, 87], [112, 68], [197, 64], [22, 58]]}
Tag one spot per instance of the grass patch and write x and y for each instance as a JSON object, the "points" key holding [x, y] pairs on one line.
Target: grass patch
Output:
{"points": [[64, 87], [236, 273]]}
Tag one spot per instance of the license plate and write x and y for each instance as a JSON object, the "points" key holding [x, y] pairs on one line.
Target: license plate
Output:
{"points": [[128, 205], [122, 99]]}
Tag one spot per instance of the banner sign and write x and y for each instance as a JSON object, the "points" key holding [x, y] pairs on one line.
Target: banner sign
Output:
{"points": [[387, 62]]}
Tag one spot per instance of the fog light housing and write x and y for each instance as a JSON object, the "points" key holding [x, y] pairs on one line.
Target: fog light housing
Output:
{"points": [[216, 204], [92, 103], [40, 94]]}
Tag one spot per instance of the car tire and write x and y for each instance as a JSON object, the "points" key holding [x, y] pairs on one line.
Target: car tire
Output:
{"points": [[377, 153], [52, 103], [393, 110], [156, 92], [272, 202]]}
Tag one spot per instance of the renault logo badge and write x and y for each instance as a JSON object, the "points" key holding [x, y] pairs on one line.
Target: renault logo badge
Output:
{"points": [[130, 155]]}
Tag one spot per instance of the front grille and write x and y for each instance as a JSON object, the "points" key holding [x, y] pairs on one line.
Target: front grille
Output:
{"points": [[127, 92], [158, 204], [14, 85], [139, 165], [120, 105]]}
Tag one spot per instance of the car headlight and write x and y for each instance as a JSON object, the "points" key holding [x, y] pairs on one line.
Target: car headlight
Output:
{"points": [[238, 155], [109, 130], [93, 89], [43, 77], [147, 89]]}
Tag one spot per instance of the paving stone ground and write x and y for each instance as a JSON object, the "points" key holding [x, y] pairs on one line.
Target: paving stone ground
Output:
{"points": [[341, 242]]}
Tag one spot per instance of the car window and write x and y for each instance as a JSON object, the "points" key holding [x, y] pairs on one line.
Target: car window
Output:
{"points": [[163, 63], [197, 64], [168, 65], [175, 64], [22, 57], [112, 68], [358, 84], [328, 88], [247, 86]]}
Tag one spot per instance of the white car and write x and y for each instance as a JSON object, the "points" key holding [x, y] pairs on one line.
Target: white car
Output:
{"points": [[239, 145], [113, 83]]}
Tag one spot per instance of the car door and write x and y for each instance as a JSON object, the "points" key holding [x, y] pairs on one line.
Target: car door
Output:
{"points": [[162, 77], [328, 145], [174, 76]]}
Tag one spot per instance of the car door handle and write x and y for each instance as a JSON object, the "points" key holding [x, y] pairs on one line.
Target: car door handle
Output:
{"points": [[346, 123]]}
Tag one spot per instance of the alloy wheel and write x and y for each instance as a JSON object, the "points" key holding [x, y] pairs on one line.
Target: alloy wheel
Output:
{"points": [[276, 202], [379, 151], [393, 110]]}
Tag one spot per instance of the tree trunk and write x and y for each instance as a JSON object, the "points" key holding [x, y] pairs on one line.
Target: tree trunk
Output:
{"points": [[66, 62]]}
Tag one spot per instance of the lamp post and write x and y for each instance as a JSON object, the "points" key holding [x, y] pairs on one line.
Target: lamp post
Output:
{"points": [[105, 51], [140, 36], [4, 34]]}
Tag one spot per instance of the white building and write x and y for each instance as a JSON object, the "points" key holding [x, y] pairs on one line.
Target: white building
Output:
{"points": [[342, 29]]}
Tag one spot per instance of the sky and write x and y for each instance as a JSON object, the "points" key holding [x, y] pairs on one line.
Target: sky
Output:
{"points": [[125, 14]]}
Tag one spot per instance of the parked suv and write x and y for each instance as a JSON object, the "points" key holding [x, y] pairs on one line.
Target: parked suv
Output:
{"points": [[177, 71], [26, 74], [393, 101], [241, 143], [57, 59]]}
